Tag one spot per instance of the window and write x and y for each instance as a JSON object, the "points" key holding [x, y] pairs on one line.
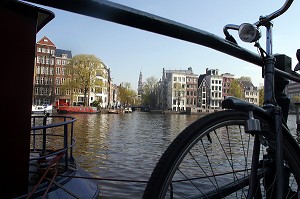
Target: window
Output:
{"points": [[174, 102], [57, 81], [38, 70], [57, 91], [46, 91], [51, 71], [37, 80], [42, 70], [175, 79], [39, 49], [58, 62], [38, 60], [183, 79], [63, 80], [42, 80], [58, 70]]}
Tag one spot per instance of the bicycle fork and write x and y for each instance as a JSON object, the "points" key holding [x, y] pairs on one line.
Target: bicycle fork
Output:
{"points": [[253, 127]]}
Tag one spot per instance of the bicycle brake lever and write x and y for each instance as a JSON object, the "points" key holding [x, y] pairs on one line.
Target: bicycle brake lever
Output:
{"points": [[297, 67]]}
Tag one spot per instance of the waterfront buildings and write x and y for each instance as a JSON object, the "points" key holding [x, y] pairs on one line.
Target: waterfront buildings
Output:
{"points": [[178, 89], [227, 78], [182, 90], [51, 76], [49, 72], [251, 93]]}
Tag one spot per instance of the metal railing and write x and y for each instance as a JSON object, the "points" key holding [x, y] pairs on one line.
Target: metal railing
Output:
{"points": [[52, 135]]}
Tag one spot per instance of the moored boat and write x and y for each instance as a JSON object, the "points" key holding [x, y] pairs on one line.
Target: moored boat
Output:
{"points": [[128, 110], [35, 109], [114, 111], [77, 109]]}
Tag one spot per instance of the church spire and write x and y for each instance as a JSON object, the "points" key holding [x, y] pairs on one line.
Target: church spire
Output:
{"points": [[140, 84]]}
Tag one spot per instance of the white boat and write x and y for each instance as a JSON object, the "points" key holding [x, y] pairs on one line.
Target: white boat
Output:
{"points": [[128, 110], [41, 109]]}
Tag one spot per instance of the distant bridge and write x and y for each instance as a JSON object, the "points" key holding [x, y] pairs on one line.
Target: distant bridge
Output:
{"points": [[142, 108]]}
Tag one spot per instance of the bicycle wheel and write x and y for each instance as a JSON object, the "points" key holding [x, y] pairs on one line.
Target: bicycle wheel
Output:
{"points": [[212, 157]]}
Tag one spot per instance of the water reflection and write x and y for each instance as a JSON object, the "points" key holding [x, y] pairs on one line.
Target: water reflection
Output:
{"points": [[124, 146], [127, 147]]}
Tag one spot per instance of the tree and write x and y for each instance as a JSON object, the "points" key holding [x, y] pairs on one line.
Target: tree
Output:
{"points": [[235, 89], [126, 94], [149, 92], [82, 70]]}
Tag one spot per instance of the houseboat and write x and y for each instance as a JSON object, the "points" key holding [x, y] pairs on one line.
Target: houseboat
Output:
{"points": [[35, 163], [77, 109]]}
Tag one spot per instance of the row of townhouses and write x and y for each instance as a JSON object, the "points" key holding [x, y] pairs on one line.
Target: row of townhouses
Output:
{"points": [[182, 90], [50, 75], [178, 90]]}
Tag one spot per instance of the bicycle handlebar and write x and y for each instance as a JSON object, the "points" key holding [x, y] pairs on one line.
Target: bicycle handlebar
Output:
{"points": [[275, 14]]}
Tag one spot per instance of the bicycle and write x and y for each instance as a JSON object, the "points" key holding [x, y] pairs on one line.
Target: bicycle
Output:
{"points": [[201, 163]]}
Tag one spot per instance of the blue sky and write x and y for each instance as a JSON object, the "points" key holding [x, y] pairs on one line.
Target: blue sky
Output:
{"points": [[127, 50]]}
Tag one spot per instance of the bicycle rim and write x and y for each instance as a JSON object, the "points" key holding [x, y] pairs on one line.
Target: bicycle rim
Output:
{"points": [[212, 158]]}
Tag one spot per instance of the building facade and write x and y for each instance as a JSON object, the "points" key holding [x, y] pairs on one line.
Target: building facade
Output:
{"points": [[178, 89], [49, 72], [227, 78], [251, 93], [293, 89], [51, 76]]}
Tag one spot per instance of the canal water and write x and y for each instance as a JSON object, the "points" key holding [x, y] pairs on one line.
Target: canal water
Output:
{"points": [[122, 149]]}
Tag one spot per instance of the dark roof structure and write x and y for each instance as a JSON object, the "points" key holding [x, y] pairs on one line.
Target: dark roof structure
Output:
{"points": [[60, 52]]}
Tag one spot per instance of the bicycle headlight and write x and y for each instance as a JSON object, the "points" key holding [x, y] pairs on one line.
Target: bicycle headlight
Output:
{"points": [[249, 33]]}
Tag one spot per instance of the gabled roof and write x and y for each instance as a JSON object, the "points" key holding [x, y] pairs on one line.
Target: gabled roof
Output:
{"points": [[200, 79], [46, 41], [60, 52], [247, 84]]}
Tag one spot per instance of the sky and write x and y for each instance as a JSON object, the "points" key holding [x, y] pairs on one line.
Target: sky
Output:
{"points": [[128, 51]]}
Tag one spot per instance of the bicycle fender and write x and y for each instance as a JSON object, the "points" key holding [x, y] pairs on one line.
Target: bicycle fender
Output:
{"points": [[231, 102]]}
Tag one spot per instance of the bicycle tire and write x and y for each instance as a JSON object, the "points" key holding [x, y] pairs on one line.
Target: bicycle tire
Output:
{"points": [[213, 172]]}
